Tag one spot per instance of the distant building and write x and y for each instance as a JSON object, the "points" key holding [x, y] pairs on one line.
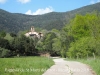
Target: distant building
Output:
{"points": [[32, 33]]}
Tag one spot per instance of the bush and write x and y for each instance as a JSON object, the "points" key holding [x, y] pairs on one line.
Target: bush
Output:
{"points": [[82, 47], [4, 43], [4, 52]]}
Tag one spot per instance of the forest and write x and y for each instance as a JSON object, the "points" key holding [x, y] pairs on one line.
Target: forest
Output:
{"points": [[77, 39], [15, 22]]}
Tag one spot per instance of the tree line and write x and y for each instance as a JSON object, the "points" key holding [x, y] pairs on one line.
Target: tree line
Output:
{"points": [[78, 39], [18, 46]]}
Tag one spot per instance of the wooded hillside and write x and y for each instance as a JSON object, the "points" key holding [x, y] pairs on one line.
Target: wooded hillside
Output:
{"points": [[14, 22]]}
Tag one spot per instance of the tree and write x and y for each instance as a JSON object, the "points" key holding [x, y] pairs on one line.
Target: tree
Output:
{"points": [[85, 30], [4, 52], [23, 45], [48, 41], [13, 35], [82, 47], [4, 43], [56, 46], [2, 34], [80, 27], [39, 46]]}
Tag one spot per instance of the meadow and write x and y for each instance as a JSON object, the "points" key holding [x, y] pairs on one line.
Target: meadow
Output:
{"points": [[24, 65]]}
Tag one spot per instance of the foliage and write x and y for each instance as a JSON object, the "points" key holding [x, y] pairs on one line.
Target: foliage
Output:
{"points": [[8, 37], [15, 22], [2, 34], [79, 38], [48, 41], [4, 43], [56, 46], [4, 52], [80, 28], [23, 45], [13, 35], [85, 30], [81, 48]]}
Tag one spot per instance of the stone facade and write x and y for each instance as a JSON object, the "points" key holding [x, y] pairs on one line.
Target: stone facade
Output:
{"points": [[32, 33]]}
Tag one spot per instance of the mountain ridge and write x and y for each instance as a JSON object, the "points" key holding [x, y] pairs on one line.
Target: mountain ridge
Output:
{"points": [[14, 22]]}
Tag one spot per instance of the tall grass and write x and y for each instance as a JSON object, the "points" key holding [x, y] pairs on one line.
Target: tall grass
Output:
{"points": [[24, 66], [93, 63]]}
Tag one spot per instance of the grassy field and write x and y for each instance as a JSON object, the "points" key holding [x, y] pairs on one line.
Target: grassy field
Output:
{"points": [[24, 65], [94, 64]]}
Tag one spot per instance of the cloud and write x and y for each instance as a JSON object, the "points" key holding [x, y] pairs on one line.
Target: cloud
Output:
{"points": [[23, 1], [29, 12], [98, 0], [2, 1], [40, 11], [92, 2]]}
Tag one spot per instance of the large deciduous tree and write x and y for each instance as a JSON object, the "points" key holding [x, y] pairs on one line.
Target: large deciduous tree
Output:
{"points": [[85, 30]]}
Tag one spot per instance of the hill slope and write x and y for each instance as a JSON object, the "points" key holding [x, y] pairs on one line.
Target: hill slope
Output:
{"points": [[14, 22]]}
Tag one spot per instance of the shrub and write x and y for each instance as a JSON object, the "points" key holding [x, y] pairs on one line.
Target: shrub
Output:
{"points": [[4, 52]]}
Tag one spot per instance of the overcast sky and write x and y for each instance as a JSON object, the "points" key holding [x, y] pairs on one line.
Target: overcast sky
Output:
{"points": [[38, 7]]}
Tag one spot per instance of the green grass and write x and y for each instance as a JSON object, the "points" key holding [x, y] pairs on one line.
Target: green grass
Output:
{"points": [[24, 65], [94, 64]]}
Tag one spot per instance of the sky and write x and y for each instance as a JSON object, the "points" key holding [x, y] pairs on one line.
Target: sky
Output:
{"points": [[39, 7]]}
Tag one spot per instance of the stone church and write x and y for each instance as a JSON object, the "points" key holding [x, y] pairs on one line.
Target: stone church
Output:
{"points": [[33, 33]]}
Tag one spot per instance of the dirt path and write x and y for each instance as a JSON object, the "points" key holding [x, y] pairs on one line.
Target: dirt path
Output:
{"points": [[63, 67]]}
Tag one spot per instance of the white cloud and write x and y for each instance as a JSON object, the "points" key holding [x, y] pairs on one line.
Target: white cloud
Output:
{"points": [[3, 1], [24, 1], [29, 12], [40, 11], [98, 0], [92, 2]]}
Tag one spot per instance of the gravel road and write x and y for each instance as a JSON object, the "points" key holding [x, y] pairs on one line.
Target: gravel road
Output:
{"points": [[63, 67]]}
